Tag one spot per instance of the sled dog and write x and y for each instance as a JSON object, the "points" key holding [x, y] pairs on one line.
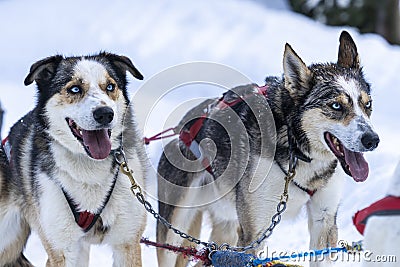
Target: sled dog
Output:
{"points": [[321, 116], [59, 176]]}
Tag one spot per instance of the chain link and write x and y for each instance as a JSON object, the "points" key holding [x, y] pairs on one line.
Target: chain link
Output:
{"points": [[149, 208], [275, 220], [212, 246]]}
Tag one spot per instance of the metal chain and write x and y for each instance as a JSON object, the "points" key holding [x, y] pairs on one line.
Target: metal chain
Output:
{"points": [[276, 218], [158, 217], [137, 192]]}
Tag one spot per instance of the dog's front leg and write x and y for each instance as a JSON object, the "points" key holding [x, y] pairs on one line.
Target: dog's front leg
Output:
{"points": [[323, 231], [127, 255], [322, 211], [322, 227], [68, 258]]}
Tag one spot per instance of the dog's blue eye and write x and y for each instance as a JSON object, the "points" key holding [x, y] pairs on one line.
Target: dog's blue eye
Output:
{"points": [[336, 106], [368, 105], [110, 87], [74, 90]]}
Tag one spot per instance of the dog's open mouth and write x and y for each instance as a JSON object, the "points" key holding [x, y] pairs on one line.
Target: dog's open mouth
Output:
{"points": [[353, 163], [97, 143]]}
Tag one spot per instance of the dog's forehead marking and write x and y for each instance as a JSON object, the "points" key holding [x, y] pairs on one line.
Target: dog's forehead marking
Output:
{"points": [[353, 90], [350, 87], [90, 71]]}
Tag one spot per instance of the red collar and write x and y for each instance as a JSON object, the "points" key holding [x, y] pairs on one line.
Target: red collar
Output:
{"points": [[387, 206]]}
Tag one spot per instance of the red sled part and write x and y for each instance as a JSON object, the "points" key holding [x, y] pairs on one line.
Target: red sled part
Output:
{"points": [[387, 206]]}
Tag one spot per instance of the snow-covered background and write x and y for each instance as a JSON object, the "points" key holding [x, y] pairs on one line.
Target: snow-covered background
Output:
{"points": [[242, 34]]}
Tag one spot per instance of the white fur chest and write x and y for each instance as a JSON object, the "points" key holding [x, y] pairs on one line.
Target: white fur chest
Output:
{"points": [[85, 180]]}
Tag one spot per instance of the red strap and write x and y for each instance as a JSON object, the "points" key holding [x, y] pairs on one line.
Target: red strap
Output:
{"points": [[192, 252], [206, 164], [160, 135], [224, 104], [263, 90], [311, 192], [187, 136], [389, 205], [4, 141], [85, 219]]}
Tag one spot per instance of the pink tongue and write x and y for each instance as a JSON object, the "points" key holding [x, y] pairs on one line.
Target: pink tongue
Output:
{"points": [[358, 166], [97, 142]]}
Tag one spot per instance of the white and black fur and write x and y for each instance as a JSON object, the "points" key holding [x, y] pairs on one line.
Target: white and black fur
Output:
{"points": [[65, 147], [325, 108]]}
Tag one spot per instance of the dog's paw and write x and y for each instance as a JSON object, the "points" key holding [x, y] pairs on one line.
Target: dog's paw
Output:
{"points": [[328, 238]]}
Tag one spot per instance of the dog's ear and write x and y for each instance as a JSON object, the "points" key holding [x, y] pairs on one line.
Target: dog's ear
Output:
{"points": [[347, 56], [297, 74], [43, 69], [123, 63]]}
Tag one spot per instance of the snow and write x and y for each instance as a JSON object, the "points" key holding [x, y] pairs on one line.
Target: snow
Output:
{"points": [[245, 35]]}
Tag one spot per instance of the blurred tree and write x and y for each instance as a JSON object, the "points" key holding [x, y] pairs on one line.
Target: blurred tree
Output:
{"points": [[382, 17]]}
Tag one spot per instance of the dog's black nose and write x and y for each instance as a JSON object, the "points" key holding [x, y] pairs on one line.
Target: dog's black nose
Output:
{"points": [[370, 140], [103, 115]]}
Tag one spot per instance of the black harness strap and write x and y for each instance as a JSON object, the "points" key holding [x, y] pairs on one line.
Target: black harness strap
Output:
{"points": [[85, 219], [308, 191]]}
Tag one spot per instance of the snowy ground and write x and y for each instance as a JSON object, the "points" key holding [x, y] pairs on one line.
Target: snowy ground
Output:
{"points": [[158, 34]]}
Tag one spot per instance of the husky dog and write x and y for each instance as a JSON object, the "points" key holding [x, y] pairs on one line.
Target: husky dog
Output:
{"points": [[321, 114], [60, 177]]}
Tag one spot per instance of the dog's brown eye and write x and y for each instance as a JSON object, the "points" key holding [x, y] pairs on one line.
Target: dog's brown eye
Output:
{"points": [[110, 87], [336, 106], [74, 90]]}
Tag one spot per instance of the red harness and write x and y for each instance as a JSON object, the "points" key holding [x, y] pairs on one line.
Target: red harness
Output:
{"points": [[86, 219], [387, 206], [188, 136]]}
